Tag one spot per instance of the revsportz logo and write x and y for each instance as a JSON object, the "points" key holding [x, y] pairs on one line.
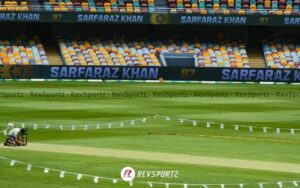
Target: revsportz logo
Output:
{"points": [[157, 174], [128, 174]]}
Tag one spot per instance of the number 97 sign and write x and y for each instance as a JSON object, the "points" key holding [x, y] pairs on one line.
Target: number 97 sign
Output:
{"points": [[187, 73]]}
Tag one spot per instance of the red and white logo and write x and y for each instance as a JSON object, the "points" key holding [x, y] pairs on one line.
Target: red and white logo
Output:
{"points": [[127, 174]]}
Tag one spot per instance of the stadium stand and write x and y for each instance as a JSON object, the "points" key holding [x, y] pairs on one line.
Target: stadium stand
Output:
{"points": [[281, 54], [144, 52], [107, 52], [11, 5], [278, 7], [222, 54], [107, 6], [22, 51]]}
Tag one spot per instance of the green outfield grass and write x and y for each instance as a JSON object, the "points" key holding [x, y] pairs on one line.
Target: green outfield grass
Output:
{"points": [[171, 136]]}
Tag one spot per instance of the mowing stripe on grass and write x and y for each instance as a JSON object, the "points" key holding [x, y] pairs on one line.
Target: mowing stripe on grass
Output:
{"points": [[116, 180], [162, 157], [228, 137]]}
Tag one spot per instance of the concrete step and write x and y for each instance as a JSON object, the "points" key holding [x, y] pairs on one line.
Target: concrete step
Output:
{"points": [[256, 58], [53, 55]]}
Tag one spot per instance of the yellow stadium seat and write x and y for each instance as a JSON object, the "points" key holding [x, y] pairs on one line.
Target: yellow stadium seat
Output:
{"points": [[62, 4], [129, 10], [56, 9], [187, 5], [108, 10], [13, 3], [267, 3], [11, 8], [194, 6], [287, 12], [7, 3], [18, 8], [93, 10], [289, 7], [137, 10], [204, 11], [242, 12], [226, 11], [5, 60], [189, 11], [216, 6], [106, 4], [84, 4], [64, 9], [252, 7]]}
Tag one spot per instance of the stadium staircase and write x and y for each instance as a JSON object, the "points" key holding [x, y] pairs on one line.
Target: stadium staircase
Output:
{"points": [[161, 5], [53, 56], [256, 58], [35, 5]]}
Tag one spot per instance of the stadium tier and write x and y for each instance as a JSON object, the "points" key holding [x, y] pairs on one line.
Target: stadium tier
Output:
{"points": [[282, 54], [77, 51], [22, 51], [278, 7], [107, 52], [222, 54], [14, 5], [107, 6], [241, 7]]}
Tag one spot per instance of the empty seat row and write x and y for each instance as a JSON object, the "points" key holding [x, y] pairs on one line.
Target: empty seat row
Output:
{"points": [[78, 51], [107, 6], [22, 51], [279, 7], [14, 5], [223, 54], [145, 52], [280, 54]]}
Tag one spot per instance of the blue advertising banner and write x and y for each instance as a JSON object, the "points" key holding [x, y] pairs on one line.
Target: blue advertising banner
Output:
{"points": [[150, 18], [150, 73]]}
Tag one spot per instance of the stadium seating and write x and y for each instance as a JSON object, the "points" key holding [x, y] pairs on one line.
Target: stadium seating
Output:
{"points": [[144, 52], [107, 6], [281, 54], [106, 52], [278, 7], [22, 51], [12, 5], [222, 54]]}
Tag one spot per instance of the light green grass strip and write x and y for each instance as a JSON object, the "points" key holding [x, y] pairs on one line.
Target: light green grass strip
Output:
{"points": [[117, 180]]}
